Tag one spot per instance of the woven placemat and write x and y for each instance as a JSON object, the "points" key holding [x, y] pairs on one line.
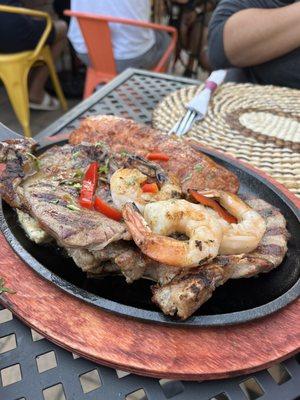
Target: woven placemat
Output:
{"points": [[257, 124]]}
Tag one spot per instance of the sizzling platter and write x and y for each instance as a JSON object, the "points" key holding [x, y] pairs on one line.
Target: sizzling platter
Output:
{"points": [[229, 303]]}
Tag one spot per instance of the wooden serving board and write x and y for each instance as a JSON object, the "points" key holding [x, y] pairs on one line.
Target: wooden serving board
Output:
{"points": [[144, 348]]}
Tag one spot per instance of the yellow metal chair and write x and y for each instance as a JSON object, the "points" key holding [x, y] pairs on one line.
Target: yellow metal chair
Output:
{"points": [[14, 69]]}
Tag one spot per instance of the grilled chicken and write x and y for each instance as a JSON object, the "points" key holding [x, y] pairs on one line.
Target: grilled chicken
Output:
{"points": [[193, 169]]}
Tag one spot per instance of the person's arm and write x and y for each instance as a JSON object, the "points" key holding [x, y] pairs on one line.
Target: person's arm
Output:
{"points": [[246, 33], [255, 36]]}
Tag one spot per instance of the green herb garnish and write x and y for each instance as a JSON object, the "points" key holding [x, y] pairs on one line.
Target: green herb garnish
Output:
{"points": [[103, 169], [78, 174], [77, 185], [99, 144], [124, 153], [198, 167], [4, 289], [54, 201], [35, 159], [76, 154], [72, 207]]}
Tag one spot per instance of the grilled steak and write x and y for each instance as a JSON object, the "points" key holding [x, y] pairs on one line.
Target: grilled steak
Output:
{"points": [[50, 195], [55, 207], [194, 169]]}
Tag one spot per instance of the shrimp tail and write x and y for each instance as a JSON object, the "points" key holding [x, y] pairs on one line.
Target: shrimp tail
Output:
{"points": [[158, 247], [231, 202], [135, 222], [140, 231], [211, 193]]}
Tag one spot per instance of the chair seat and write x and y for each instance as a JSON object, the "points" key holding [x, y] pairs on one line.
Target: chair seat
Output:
{"points": [[14, 68], [23, 55]]}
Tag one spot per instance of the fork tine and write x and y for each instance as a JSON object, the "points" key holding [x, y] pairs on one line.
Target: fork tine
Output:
{"points": [[188, 124], [183, 122], [175, 127]]}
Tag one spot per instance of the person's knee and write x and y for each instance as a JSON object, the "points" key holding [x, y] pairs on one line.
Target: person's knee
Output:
{"points": [[61, 29]]}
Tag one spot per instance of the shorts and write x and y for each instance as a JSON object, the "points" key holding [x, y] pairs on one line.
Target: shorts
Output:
{"points": [[147, 60], [21, 32]]}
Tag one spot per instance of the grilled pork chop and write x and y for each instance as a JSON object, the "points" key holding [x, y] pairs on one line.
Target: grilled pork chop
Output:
{"points": [[193, 169]]}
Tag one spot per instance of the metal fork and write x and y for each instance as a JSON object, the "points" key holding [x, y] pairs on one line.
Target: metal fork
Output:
{"points": [[197, 107]]}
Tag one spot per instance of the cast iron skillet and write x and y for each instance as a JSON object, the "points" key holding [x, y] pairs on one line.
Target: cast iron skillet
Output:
{"points": [[235, 302]]}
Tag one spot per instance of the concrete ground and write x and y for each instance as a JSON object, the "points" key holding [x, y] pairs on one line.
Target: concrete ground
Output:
{"points": [[38, 119]]}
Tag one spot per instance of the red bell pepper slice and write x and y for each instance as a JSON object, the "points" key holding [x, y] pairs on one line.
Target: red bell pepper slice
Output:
{"points": [[104, 208], [150, 188], [158, 157], [206, 201], [89, 186]]}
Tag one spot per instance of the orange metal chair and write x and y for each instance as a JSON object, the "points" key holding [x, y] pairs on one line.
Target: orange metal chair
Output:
{"points": [[96, 33]]}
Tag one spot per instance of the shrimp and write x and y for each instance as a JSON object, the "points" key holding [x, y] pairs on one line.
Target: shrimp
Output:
{"points": [[163, 218], [244, 236], [125, 186]]}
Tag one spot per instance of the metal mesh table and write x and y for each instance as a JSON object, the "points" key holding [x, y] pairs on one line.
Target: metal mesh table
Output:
{"points": [[32, 368]]}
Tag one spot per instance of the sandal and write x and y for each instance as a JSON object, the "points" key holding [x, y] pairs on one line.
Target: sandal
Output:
{"points": [[48, 103]]}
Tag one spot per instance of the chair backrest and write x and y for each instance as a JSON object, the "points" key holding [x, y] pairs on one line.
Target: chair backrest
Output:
{"points": [[97, 38], [36, 14], [101, 51]]}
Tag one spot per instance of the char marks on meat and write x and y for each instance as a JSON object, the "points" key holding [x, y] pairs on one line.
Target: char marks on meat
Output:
{"points": [[186, 292], [50, 195], [48, 191], [55, 207], [273, 246], [194, 169]]}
